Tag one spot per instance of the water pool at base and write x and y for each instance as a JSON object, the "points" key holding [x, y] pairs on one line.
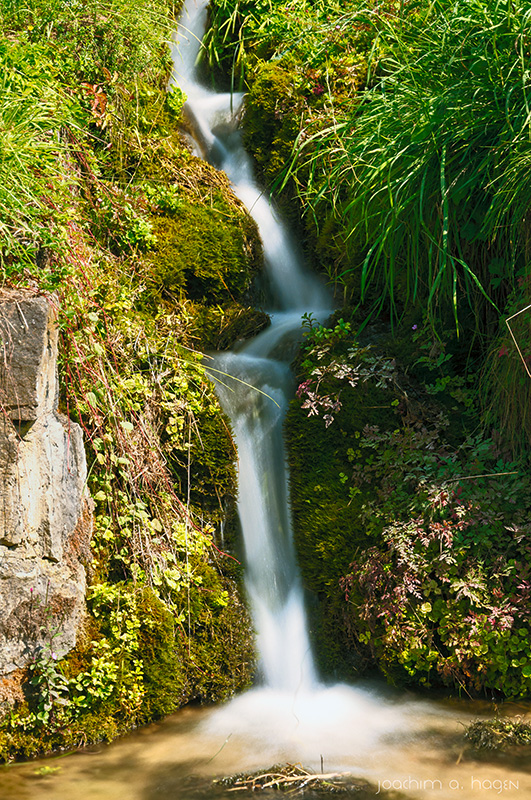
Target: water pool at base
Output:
{"points": [[414, 748]]}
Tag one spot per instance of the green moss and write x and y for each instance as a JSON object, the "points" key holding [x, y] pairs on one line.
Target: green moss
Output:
{"points": [[328, 525], [220, 655], [219, 327], [271, 122], [328, 529], [203, 252], [162, 671], [100, 727]]}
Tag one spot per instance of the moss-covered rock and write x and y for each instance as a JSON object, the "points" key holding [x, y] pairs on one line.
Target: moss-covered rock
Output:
{"points": [[219, 657], [137, 659], [397, 483], [329, 528], [220, 327], [203, 252], [271, 121]]}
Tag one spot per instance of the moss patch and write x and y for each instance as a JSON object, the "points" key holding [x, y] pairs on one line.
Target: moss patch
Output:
{"points": [[203, 252], [271, 124], [328, 525]]}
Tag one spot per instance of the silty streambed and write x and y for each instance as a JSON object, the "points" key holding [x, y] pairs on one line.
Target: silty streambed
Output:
{"points": [[396, 742]]}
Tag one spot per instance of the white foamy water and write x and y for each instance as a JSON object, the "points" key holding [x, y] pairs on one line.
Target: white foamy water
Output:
{"points": [[342, 724], [291, 708], [254, 386]]}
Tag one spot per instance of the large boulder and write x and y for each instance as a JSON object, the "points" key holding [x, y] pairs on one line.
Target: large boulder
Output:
{"points": [[45, 518]]}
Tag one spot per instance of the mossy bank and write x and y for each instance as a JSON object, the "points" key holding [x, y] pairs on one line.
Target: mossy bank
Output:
{"points": [[411, 523], [153, 259], [409, 439]]}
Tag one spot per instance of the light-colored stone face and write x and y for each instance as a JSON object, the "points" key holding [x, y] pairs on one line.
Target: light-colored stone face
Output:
{"points": [[42, 476], [28, 358], [45, 524]]}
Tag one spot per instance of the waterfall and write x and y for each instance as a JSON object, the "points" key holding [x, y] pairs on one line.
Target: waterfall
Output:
{"points": [[254, 384], [291, 708]]}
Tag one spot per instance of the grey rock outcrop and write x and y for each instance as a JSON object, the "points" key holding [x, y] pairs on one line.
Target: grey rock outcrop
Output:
{"points": [[45, 519]]}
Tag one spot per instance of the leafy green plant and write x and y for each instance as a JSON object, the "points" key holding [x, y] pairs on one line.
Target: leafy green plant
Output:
{"points": [[49, 685], [122, 222], [444, 598], [426, 174], [326, 363], [175, 100]]}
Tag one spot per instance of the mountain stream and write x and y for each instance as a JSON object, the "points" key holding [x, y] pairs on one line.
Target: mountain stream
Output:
{"points": [[400, 743]]}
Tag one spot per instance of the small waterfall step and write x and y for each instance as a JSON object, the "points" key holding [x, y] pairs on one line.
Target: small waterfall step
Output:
{"points": [[256, 399]]}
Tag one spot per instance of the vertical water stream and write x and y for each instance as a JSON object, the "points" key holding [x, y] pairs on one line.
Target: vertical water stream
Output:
{"points": [[291, 712], [254, 384]]}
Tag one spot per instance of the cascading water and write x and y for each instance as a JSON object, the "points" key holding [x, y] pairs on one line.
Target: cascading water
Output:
{"points": [[253, 387], [271, 575], [254, 384]]}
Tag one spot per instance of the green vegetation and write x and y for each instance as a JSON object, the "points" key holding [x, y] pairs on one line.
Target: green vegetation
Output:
{"points": [[428, 171], [102, 203], [410, 515], [402, 132], [411, 128], [66, 73]]}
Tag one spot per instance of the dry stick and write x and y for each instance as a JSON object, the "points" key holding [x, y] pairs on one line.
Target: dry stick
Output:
{"points": [[514, 337], [283, 779], [486, 475]]}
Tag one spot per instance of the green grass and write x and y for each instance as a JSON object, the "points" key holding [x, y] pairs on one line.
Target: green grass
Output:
{"points": [[32, 111], [68, 72], [428, 174]]}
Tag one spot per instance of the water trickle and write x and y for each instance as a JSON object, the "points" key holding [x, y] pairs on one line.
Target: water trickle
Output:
{"points": [[291, 712], [213, 117], [254, 386]]}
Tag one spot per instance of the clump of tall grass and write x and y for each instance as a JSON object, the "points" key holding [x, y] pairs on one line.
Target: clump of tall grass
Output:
{"points": [[69, 74], [506, 376], [311, 31], [32, 112], [429, 174]]}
